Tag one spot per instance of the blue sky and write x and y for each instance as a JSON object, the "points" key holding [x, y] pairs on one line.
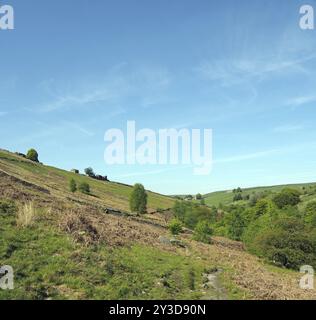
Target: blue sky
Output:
{"points": [[73, 69]]}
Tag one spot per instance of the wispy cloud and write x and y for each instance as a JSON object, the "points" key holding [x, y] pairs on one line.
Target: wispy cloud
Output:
{"points": [[145, 84], [79, 128], [247, 156], [307, 145], [235, 71], [302, 100], [288, 128]]}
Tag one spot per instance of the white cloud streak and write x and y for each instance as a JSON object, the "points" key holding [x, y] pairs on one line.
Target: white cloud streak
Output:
{"points": [[146, 84]]}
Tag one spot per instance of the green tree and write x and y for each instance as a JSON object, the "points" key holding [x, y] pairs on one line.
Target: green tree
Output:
{"points": [[286, 242], [198, 196], [72, 185], [84, 187], [236, 225], [237, 197], [138, 199], [179, 209], [263, 206], [32, 155], [287, 197], [203, 232]]}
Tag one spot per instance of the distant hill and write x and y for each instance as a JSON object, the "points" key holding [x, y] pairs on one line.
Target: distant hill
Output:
{"points": [[226, 197]]}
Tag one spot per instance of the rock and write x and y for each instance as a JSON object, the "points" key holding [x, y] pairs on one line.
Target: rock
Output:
{"points": [[177, 242], [164, 240]]}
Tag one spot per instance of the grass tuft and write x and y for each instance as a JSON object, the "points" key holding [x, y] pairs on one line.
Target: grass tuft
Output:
{"points": [[25, 215]]}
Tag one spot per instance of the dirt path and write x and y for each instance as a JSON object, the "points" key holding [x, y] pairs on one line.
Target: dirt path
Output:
{"points": [[213, 286]]}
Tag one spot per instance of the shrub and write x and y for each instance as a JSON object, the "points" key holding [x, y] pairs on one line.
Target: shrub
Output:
{"points": [[175, 226], [263, 206], [32, 155], [7, 207], [191, 213], [287, 197], [179, 210], [310, 214], [286, 242], [25, 215], [198, 196], [203, 232], [84, 187], [237, 197], [138, 199], [72, 185], [236, 225]]}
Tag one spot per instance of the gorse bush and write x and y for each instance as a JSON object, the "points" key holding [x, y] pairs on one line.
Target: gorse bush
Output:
{"points": [[138, 199]]}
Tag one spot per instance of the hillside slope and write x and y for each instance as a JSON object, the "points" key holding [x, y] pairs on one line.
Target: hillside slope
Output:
{"points": [[56, 182], [74, 247]]}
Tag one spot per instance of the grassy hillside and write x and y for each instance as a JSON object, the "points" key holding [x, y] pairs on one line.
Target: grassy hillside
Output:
{"points": [[70, 246], [111, 194], [226, 197]]}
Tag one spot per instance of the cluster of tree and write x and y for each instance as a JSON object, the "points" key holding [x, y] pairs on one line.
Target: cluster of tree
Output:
{"points": [[194, 216], [31, 154], [238, 195], [273, 227], [89, 172], [83, 187]]}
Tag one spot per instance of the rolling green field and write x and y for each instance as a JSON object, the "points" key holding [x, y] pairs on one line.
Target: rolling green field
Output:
{"points": [[226, 197]]}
